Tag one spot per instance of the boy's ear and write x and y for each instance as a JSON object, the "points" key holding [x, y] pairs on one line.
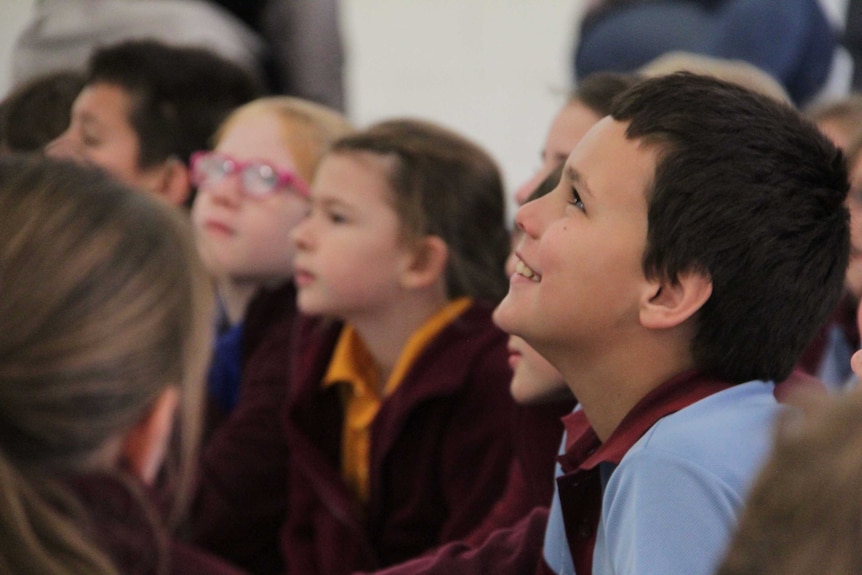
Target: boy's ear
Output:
{"points": [[426, 263], [666, 304], [174, 184], [145, 445]]}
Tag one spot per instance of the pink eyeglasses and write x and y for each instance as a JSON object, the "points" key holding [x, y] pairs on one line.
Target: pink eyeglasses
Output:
{"points": [[257, 179]]}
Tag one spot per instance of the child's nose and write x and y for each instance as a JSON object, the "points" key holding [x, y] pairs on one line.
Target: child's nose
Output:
{"points": [[227, 190], [67, 147], [301, 233], [528, 218]]}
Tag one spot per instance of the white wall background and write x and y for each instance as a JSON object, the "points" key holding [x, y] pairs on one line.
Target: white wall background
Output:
{"points": [[495, 70]]}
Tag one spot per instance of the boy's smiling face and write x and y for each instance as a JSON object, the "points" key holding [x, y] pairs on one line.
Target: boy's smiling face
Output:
{"points": [[577, 288]]}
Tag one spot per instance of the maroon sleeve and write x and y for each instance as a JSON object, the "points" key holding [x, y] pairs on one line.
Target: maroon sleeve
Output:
{"points": [[539, 430], [477, 455], [186, 560], [241, 500], [513, 551]]}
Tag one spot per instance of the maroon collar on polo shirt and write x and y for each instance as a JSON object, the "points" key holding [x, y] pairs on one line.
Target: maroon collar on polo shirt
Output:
{"points": [[580, 486], [585, 451]]}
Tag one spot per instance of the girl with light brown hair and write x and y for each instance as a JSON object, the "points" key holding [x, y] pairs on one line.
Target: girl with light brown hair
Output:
{"points": [[105, 331]]}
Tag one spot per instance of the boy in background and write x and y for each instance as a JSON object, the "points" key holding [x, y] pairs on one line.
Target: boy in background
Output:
{"points": [[146, 107]]}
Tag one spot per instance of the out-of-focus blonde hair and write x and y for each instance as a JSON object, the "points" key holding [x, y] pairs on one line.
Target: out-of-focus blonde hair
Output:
{"points": [[738, 72], [103, 305], [308, 128]]}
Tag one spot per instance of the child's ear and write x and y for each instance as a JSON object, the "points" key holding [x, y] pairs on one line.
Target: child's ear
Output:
{"points": [[174, 184], [666, 304], [426, 263], [145, 445]]}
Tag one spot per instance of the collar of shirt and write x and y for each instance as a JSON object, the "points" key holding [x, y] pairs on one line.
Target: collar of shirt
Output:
{"points": [[587, 461], [355, 369], [584, 451]]}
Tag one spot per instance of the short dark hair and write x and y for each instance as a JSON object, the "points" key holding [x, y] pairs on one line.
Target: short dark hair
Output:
{"points": [[179, 94], [749, 192], [447, 186], [38, 111]]}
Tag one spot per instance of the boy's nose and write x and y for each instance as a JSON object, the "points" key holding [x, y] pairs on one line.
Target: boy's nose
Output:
{"points": [[528, 218]]}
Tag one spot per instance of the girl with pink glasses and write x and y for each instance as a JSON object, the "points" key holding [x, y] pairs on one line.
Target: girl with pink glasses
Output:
{"points": [[252, 191]]}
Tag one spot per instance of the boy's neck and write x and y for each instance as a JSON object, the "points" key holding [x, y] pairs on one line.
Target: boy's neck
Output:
{"points": [[385, 332], [610, 387]]}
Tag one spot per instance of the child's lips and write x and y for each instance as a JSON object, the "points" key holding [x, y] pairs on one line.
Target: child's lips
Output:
{"points": [[514, 358], [302, 277], [218, 227]]}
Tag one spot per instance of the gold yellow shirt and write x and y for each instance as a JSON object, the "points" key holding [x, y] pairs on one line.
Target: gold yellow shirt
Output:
{"points": [[354, 369]]}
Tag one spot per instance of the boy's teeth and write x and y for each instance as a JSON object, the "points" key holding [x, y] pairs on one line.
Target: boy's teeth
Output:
{"points": [[525, 271]]}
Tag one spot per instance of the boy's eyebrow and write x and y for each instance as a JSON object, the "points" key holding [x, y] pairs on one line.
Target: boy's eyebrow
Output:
{"points": [[575, 177]]}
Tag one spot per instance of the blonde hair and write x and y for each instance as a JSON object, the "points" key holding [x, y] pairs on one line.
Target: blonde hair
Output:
{"points": [[847, 113], [309, 129], [103, 305], [737, 72]]}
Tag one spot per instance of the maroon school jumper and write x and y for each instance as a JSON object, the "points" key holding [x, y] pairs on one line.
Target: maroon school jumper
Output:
{"points": [[441, 448], [241, 499], [123, 528], [538, 431]]}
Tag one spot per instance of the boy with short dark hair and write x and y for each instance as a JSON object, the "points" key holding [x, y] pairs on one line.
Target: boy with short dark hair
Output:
{"points": [[696, 241], [146, 107], [37, 111]]}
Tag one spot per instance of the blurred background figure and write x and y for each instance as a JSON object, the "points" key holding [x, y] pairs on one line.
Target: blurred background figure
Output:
{"points": [[839, 118], [38, 111], [61, 34], [303, 49], [105, 315], [291, 46], [739, 72], [146, 107], [802, 515], [828, 356], [252, 191], [792, 40], [585, 105]]}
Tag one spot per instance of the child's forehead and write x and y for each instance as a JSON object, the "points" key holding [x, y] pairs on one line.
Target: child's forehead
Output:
{"points": [[360, 168], [360, 176], [607, 164], [363, 160], [607, 144]]}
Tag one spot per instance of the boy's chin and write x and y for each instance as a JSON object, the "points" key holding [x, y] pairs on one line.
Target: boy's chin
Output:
{"points": [[507, 317]]}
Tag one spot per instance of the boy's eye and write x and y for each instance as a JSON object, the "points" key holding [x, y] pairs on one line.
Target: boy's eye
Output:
{"points": [[576, 200]]}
